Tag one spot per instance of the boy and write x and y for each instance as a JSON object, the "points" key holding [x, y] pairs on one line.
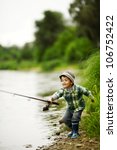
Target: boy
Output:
{"points": [[73, 94]]}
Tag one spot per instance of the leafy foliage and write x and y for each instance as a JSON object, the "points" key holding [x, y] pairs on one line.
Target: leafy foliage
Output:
{"points": [[13, 57], [91, 72], [57, 51], [86, 14], [78, 50], [50, 65], [48, 29], [27, 51]]}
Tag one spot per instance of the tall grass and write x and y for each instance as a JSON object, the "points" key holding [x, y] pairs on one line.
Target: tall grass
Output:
{"points": [[91, 79]]}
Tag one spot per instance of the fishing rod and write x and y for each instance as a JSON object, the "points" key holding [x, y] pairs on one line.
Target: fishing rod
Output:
{"points": [[30, 97]]}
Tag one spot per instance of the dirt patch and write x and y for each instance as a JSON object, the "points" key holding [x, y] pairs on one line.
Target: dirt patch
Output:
{"points": [[61, 142]]}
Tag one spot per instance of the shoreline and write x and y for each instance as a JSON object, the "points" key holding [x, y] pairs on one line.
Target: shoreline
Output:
{"points": [[62, 142]]}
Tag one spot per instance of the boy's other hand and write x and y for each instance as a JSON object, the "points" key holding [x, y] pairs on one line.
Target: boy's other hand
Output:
{"points": [[92, 100]]}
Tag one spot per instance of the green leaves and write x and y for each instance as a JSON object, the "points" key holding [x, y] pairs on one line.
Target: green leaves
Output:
{"points": [[86, 14], [91, 80], [48, 29]]}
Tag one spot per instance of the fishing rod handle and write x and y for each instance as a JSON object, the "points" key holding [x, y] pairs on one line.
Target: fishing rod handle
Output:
{"points": [[45, 108], [56, 103]]}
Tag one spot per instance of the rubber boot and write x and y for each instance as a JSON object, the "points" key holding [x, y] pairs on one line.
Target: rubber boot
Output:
{"points": [[75, 127]]}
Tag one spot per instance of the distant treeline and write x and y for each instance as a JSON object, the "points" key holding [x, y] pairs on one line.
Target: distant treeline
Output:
{"points": [[57, 40]]}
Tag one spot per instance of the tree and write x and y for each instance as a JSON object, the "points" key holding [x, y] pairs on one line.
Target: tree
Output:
{"points": [[27, 51], [58, 50], [48, 29], [86, 14]]}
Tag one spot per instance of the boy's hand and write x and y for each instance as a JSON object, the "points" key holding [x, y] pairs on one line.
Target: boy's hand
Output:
{"points": [[50, 101], [92, 100]]}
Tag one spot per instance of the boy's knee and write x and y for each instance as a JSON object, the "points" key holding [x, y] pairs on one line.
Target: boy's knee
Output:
{"points": [[68, 123]]}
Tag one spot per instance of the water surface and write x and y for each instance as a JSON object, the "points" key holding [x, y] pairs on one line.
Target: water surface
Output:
{"points": [[22, 121]]}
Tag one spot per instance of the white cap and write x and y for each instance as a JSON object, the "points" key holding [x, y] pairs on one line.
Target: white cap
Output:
{"points": [[69, 75]]}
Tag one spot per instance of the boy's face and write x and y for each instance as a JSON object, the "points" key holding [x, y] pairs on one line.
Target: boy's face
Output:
{"points": [[66, 82]]}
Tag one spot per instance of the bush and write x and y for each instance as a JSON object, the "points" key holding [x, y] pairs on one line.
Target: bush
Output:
{"points": [[50, 65], [91, 72], [11, 64], [50, 54], [58, 49], [78, 50], [91, 80]]}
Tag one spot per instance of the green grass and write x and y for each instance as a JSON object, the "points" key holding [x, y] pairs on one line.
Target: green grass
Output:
{"points": [[90, 74], [16, 65]]}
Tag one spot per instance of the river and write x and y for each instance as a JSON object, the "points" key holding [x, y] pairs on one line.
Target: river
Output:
{"points": [[22, 121]]}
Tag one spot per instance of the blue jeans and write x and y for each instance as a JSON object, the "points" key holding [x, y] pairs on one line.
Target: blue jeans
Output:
{"points": [[72, 117]]}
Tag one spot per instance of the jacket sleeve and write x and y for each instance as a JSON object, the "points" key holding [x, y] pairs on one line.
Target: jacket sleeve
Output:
{"points": [[57, 94], [86, 92]]}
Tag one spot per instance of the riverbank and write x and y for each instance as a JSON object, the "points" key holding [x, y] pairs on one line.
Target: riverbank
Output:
{"points": [[83, 142], [62, 142]]}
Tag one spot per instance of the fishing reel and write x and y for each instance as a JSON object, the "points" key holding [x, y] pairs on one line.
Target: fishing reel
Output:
{"points": [[45, 108]]}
